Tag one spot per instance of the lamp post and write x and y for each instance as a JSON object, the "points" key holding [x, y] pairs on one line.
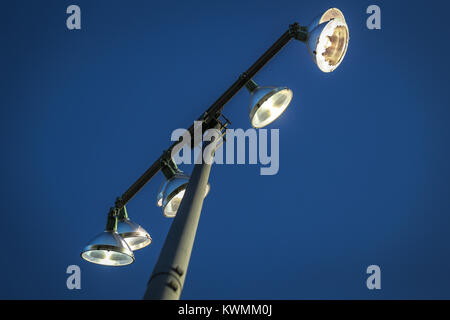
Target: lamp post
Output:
{"points": [[167, 279], [327, 40]]}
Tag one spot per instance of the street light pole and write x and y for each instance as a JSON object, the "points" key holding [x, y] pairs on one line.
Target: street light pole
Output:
{"points": [[167, 279], [327, 40], [169, 273]]}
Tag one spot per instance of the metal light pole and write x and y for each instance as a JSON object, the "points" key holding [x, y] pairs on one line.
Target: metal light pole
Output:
{"points": [[167, 279], [326, 38], [169, 274]]}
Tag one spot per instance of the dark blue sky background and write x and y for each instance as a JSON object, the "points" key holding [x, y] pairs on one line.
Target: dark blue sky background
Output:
{"points": [[364, 151]]}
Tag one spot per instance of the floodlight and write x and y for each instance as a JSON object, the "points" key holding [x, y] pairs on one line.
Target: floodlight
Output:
{"points": [[172, 190], [108, 248], [267, 103], [134, 235], [327, 39]]}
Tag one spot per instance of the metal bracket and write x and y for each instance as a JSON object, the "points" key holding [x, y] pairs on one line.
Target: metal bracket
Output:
{"points": [[119, 203], [298, 32], [111, 220], [243, 76], [168, 167], [227, 121], [172, 285], [178, 270]]}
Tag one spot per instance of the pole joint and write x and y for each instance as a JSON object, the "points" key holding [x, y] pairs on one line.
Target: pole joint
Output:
{"points": [[111, 221], [119, 204], [298, 32], [243, 76], [251, 86], [168, 167]]}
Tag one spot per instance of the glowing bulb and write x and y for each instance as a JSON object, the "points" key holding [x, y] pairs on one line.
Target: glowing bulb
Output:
{"points": [[172, 206], [109, 249], [332, 45], [269, 107]]}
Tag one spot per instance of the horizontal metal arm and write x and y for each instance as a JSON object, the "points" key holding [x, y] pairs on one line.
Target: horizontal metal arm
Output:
{"points": [[210, 116]]}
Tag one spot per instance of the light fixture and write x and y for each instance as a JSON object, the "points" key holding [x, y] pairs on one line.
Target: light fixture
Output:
{"points": [[108, 248], [172, 190], [327, 39], [267, 103], [134, 235], [173, 194]]}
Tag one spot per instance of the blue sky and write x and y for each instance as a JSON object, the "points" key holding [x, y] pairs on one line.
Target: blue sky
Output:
{"points": [[364, 161]]}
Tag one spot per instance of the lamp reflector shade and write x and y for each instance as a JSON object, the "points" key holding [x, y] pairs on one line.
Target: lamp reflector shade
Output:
{"points": [[328, 41], [328, 15], [267, 104], [108, 249], [134, 235], [159, 197], [172, 193]]}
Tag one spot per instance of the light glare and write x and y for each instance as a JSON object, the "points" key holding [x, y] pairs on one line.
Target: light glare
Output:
{"points": [[271, 109], [109, 249], [173, 193], [332, 45], [170, 210]]}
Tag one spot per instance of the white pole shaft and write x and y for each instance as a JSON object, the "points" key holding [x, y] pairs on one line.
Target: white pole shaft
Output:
{"points": [[169, 274]]}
